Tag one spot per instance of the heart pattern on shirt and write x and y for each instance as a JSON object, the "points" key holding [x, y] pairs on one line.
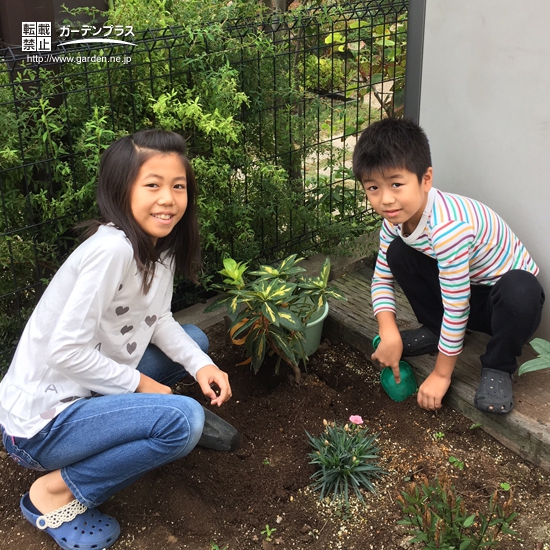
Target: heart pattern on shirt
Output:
{"points": [[121, 310], [131, 347], [150, 321], [126, 329], [48, 415]]}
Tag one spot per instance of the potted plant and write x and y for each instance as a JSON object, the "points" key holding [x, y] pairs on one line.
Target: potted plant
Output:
{"points": [[269, 309]]}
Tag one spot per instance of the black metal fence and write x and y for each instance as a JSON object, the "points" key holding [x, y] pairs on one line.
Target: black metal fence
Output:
{"points": [[270, 110]]}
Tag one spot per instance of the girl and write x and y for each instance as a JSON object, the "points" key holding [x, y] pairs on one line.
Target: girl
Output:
{"points": [[87, 396]]}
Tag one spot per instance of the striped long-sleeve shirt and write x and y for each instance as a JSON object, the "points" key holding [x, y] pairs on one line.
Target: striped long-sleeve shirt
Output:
{"points": [[472, 245]]}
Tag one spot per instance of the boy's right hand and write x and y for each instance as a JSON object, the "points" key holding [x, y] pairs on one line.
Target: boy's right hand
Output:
{"points": [[389, 351]]}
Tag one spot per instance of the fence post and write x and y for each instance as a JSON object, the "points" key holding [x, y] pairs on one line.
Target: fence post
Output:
{"points": [[415, 48], [13, 14]]}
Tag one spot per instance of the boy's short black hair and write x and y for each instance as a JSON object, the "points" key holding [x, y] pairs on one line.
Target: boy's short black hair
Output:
{"points": [[392, 143]]}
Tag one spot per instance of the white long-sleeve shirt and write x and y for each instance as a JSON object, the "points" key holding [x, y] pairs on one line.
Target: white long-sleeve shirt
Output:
{"points": [[89, 332]]}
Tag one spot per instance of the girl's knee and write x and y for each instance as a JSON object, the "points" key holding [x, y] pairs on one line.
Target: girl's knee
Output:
{"points": [[192, 414], [181, 423], [195, 414], [198, 336]]}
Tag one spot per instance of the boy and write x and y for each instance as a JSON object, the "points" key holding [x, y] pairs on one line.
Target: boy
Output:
{"points": [[458, 263]]}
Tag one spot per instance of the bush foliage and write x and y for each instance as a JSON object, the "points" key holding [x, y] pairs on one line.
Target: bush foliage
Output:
{"points": [[234, 83]]}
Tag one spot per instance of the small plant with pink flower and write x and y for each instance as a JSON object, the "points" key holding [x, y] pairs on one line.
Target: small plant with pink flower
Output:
{"points": [[346, 458]]}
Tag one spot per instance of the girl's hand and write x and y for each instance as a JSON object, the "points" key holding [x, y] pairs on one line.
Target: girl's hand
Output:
{"points": [[211, 375], [148, 385]]}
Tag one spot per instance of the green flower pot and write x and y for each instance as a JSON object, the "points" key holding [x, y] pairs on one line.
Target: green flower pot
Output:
{"points": [[314, 330]]}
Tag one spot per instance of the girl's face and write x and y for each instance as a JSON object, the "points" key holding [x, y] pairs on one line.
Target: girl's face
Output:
{"points": [[158, 198]]}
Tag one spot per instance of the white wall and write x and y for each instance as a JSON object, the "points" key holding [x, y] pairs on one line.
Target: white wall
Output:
{"points": [[485, 106]]}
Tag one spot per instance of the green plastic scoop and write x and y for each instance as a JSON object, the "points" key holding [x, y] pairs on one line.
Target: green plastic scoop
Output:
{"points": [[407, 386]]}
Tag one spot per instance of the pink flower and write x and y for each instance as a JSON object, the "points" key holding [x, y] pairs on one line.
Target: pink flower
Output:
{"points": [[354, 419]]}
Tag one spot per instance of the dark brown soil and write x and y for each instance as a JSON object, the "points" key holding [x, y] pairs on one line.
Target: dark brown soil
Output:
{"points": [[212, 500]]}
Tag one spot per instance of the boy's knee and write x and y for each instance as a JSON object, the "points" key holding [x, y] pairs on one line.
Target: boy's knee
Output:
{"points": [[397, 251], [520, 289], [404, 260], [519, 297]]}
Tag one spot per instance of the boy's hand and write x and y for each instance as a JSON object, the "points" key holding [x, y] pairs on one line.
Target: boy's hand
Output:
{"points": [[388, 353], [389, 350], [432, 390], [209, 376]]}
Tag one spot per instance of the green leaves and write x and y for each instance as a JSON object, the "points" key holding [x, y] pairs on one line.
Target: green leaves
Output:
{"points": [[233, 271], [274, 290], [270, 312], [218, 303], [285, 270], [542, 347], [289, 320], [456, 462], [540, 363], [436, 515]]}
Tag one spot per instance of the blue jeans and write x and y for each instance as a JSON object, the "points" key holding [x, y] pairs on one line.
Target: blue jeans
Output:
{"points": [[103, 444]]}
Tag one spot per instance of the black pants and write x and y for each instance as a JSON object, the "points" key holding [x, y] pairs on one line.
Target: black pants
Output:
{"points": [[509, 311]]}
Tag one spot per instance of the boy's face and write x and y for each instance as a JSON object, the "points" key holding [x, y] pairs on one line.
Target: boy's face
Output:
{"points": [[396, 195]]}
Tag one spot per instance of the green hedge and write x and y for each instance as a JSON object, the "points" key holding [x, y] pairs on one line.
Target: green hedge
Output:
{"points": [[252, 93]]}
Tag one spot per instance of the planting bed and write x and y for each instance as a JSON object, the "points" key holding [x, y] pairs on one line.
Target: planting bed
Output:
{"points": [[214, 500]]}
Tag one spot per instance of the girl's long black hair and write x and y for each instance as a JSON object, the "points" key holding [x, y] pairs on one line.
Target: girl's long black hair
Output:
{"points": [[118, 169]]}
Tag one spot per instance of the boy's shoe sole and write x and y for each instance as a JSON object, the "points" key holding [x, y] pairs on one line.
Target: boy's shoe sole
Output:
{"points": [[218, 434]]}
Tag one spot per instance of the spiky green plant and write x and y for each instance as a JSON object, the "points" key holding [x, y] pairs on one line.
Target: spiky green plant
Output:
{"points": [[347, 460]]}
